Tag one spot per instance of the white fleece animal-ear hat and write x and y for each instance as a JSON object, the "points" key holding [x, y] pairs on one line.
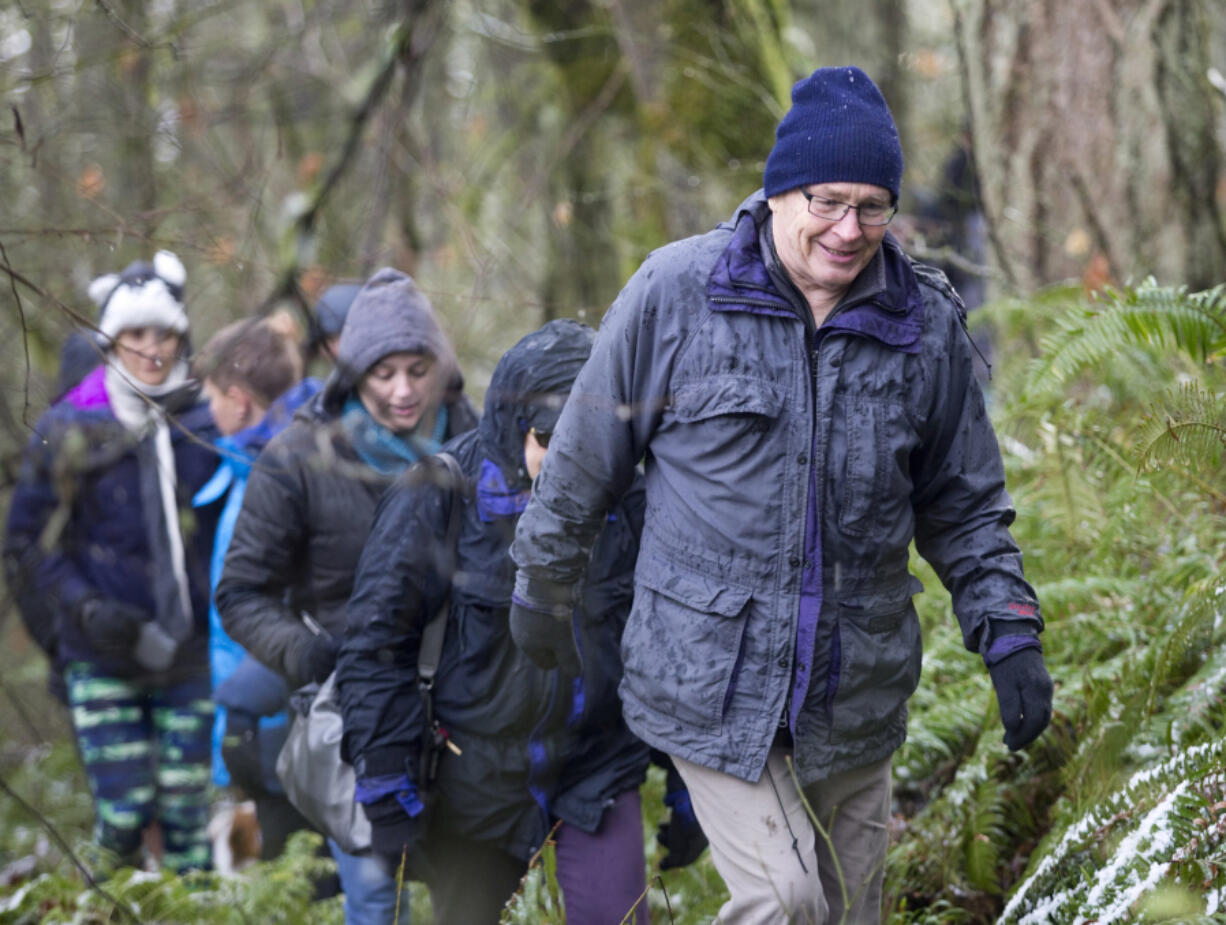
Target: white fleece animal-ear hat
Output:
{"points": [[143, 295]]}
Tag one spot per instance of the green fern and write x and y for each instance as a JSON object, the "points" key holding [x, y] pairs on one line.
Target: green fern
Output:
{"points": [[1186, 643], [1187, 428], [1150, 316]]}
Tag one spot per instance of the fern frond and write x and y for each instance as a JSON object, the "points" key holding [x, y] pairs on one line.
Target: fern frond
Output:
{"points": [[1149, 316], [1187, 427], [986, 835], [1184, 646]]}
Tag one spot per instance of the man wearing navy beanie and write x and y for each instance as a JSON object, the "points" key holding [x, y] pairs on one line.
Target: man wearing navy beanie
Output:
{"points": [[802, 396]]}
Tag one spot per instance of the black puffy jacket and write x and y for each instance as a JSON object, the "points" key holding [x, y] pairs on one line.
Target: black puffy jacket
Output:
{"points": [[304, 520], [534, 743]]}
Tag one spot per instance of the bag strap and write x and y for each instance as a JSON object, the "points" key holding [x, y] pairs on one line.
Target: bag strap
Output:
{"points": [[431, 648]]}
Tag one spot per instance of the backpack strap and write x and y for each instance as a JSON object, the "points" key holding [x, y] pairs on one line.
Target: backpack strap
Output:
{"points": [[431, 649], [936, 279]]}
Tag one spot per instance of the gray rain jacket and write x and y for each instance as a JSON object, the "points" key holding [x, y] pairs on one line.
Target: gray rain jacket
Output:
{"points": [[787, 470]]}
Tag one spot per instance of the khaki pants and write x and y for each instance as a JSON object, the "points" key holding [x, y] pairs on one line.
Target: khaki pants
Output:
{"points": [[777, 868]]}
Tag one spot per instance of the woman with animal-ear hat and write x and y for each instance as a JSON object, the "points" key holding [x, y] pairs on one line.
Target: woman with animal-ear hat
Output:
{"points": [[102, 534]]}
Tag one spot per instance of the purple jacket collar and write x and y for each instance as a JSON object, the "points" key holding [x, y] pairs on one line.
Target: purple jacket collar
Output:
{"points": [[892, 314], [90, 393]]}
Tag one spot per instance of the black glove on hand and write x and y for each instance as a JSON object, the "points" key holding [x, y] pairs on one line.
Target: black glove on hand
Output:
{"points": [[317, 659], [681, 836], [393, 832], [111, 625], [1023, 690], [542, 614], [545, 637]]}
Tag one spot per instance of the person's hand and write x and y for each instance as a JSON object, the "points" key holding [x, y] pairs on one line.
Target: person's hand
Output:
{"points": [[317, 659], [1023, 690], [681, 836], [394, 835], [546, 636], [111, 625]]}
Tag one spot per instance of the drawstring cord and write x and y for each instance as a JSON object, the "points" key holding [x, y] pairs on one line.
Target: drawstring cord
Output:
{"points": [[786, 821]]}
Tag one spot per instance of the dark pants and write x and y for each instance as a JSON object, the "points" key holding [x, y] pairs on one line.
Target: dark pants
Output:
{"points": [[469, 881]]}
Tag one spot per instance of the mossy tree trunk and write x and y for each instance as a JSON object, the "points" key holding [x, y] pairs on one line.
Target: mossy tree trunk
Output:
{"points": [[1094, 135], [652, 98]]}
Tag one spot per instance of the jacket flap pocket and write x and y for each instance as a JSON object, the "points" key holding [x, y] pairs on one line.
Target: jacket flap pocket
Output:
{"points": [[693, 590], [719, 395]]}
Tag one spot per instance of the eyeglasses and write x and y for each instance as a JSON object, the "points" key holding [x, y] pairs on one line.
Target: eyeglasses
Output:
{"points": [[831, 210], [541, 438]]}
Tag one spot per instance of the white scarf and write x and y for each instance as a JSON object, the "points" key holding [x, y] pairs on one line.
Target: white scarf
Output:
{"points": [[135, 404]]}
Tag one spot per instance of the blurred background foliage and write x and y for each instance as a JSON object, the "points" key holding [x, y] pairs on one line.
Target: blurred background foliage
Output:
{"points": [[520, 157]]}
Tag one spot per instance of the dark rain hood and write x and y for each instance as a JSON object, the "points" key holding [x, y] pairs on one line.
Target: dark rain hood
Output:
{"points": [[527, 391]]}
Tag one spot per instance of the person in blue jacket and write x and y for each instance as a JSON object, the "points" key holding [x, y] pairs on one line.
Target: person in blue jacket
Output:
{"points": [[803, 399], [101, 529], [526, 747], [252, 375]]}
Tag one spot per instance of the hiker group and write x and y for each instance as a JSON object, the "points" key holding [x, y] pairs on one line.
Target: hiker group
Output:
{"points": [[682, 539]]}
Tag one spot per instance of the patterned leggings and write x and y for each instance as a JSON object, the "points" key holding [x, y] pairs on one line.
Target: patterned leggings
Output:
{"points": [[146, 754]]}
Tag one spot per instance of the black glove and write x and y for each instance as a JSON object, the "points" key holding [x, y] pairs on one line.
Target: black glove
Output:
{"points": [[547, 639], [681, 836], [1023, 690], [541, 623], [111, 625], [394, 835], [317, 659]]}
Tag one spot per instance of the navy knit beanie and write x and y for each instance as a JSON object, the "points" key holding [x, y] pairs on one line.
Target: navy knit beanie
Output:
{"points": [[839, 130]]}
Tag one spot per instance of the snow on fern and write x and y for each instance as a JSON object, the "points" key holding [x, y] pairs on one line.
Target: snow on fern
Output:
{"points": [[1142, 860]]}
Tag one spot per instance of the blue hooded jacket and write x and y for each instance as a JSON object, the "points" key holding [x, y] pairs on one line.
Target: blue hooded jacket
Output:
{"points": [[239, 681]]}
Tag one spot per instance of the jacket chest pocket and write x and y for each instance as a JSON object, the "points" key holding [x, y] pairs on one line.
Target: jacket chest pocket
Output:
{"points": [[683, 645], [737, 403], [875, 488]]}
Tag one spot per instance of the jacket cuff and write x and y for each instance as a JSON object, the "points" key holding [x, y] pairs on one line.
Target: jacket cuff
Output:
{"points": [[75, 592], [543, 594], [1004, 646], [379, 762], [1001, 638]]}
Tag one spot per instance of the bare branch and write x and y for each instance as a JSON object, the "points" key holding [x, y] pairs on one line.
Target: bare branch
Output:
{"points": [[132, 33], [408, 44], [94, 885], [25, 338]]}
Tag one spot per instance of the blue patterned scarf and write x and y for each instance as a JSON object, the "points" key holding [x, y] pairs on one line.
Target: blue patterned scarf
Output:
{"points": [[382, 449]]}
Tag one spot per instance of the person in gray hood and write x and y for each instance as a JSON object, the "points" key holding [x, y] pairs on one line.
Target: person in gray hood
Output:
{"points": [[802, 396], [394, 397]]}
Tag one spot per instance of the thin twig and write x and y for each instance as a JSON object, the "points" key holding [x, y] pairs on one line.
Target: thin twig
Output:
{"points": [[123, 907], [25, 338]]}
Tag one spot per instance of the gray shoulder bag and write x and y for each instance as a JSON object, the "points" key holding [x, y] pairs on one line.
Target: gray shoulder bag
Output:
{"points": [[317, 781]]}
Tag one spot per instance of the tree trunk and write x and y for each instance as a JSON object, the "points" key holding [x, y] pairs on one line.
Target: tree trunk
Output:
{"points": [[1094, 135], [582, 273], [135, 120]]}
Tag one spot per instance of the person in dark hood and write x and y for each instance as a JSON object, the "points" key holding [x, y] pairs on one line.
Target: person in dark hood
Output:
{"points": [[526, 747], [394, 397], [102, 535]]}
